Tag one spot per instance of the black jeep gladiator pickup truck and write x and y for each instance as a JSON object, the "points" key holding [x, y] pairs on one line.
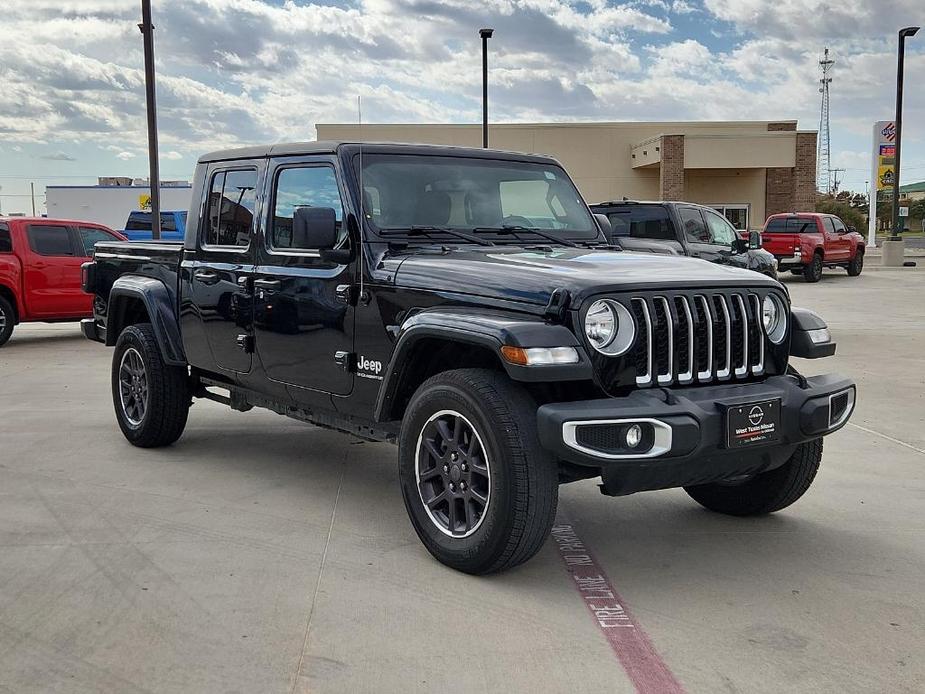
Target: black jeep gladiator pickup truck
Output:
{"points": [[464, 304]]}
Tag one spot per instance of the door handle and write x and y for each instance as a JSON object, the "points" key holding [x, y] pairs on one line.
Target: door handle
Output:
{"points": [[267, 284], [206, 276]]}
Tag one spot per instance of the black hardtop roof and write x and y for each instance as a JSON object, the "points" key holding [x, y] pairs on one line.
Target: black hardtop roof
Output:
{"points": [[286, 149], [628, 203]]}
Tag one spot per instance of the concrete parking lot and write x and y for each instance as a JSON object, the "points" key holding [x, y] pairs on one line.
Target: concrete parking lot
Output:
{"points": [[261, 555]]}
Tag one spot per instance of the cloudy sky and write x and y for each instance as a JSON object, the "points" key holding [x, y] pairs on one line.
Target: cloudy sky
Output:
{"points": [[245, 71]]}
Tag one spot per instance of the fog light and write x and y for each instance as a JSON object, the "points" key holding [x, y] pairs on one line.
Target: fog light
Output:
{"points": [[633, 436]]}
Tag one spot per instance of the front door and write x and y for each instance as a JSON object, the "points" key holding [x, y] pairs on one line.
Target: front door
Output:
{"points": [[303, 321], [217, 315], [698, 235]]}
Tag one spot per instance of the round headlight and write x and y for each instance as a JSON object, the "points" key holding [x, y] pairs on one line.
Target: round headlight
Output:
{"points": [[609, 327], [601, 324], [774, 318]]}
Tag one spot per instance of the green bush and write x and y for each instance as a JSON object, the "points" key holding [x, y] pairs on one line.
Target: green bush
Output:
{"points": [[849, 215]]}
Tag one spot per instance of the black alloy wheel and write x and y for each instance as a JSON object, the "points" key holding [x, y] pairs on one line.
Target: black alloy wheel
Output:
{"points": [[151, 399], [813, 271], [133, 387], [856, 265], [453, 475], [7, 320]]}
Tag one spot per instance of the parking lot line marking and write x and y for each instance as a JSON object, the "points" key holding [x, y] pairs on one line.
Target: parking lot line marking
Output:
{"points": [[888, 438], [642, 663], [324, 556]]}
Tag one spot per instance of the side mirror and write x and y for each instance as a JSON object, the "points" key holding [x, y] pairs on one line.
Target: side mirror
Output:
{"points": [[314, 227], [740, 245], [603, 221], [852, 230], [754, 240]]}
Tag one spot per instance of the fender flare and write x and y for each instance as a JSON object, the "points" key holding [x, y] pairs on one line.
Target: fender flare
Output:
{"points": [[485, 330], [160, 307]]}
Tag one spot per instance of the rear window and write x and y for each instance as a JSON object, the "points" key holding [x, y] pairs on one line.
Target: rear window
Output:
{"points": [[50, 240], [6, 242], [642, 221], [141, 221], [791, 225]]}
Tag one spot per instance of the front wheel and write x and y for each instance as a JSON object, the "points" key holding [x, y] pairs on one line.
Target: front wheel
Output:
{"points": [[7, 320], [813, 271], [766, 492], [480, 491], [151, 398], [856, 264]]}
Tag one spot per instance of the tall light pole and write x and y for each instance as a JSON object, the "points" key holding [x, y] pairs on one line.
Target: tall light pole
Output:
{"points": [[147, 31], [903, 33], [485, 34]]}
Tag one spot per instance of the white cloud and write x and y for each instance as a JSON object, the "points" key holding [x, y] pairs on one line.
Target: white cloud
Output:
{"points": [[239, 71], [126, 155]]}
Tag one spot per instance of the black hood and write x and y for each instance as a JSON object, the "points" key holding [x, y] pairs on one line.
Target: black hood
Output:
{"points": [[519, 274]]}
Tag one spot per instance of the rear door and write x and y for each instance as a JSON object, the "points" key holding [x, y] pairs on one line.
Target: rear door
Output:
{"points": [[833, 241], [51, 273], [303, 318], [217, 274]]}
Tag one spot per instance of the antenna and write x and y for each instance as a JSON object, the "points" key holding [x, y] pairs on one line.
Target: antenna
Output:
{"points": [[824, 145], [362, 220]]}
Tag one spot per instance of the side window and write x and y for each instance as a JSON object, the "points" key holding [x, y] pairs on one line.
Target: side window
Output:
{"points": [[230, 209], [304, 186], [721, 231], [90, 235], [840, 227], [168, 222], [829, 224], [694, 228], [6, 241], [138, 221], [46, 239]]}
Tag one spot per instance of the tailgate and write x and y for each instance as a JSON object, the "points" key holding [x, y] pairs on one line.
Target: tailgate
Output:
{"points": [[780, 244]]}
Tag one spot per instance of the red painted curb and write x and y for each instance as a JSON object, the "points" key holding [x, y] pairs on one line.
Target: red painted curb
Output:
{"points": [[630, 643]]}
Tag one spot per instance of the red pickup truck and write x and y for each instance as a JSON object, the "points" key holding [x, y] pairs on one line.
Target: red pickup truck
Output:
{"points": [[805, 242], [40, 263]]}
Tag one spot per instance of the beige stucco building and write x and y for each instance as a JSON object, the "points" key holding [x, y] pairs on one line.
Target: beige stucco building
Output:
{"points": [[748, 169]]}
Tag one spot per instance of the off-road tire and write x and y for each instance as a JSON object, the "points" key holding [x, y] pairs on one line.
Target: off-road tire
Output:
{"points": [[168, 393], [523, 476], [8, 313], [813, 272], [766, 492], [856, 264]]}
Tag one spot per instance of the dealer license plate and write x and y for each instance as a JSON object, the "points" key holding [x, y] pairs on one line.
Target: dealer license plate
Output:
{"points": [[753, 424]]}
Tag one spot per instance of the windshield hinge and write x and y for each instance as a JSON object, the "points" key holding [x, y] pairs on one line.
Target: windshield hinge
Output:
{"points": [[557, 306]]}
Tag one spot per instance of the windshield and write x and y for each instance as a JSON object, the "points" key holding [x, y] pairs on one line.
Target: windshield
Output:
{"points": [[404, 191]]}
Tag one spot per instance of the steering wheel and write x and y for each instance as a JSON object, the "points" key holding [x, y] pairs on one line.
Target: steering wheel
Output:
{"points": [[517, 221]]}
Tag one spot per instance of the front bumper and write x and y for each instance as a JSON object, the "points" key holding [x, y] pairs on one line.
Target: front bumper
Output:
{"points": [[687, 443]]}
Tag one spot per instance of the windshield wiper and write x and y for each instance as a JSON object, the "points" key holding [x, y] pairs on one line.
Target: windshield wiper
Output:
{"points": [[427, 230], [515, 228]]}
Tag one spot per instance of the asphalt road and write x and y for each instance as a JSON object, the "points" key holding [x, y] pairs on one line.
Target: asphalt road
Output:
{"points": [[261, 555]]}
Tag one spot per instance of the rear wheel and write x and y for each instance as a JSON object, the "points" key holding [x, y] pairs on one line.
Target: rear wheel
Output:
{"points": [[480, 491], [151, 398], [7, 320], [813, 271], [856, 264], [766, 492]]}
